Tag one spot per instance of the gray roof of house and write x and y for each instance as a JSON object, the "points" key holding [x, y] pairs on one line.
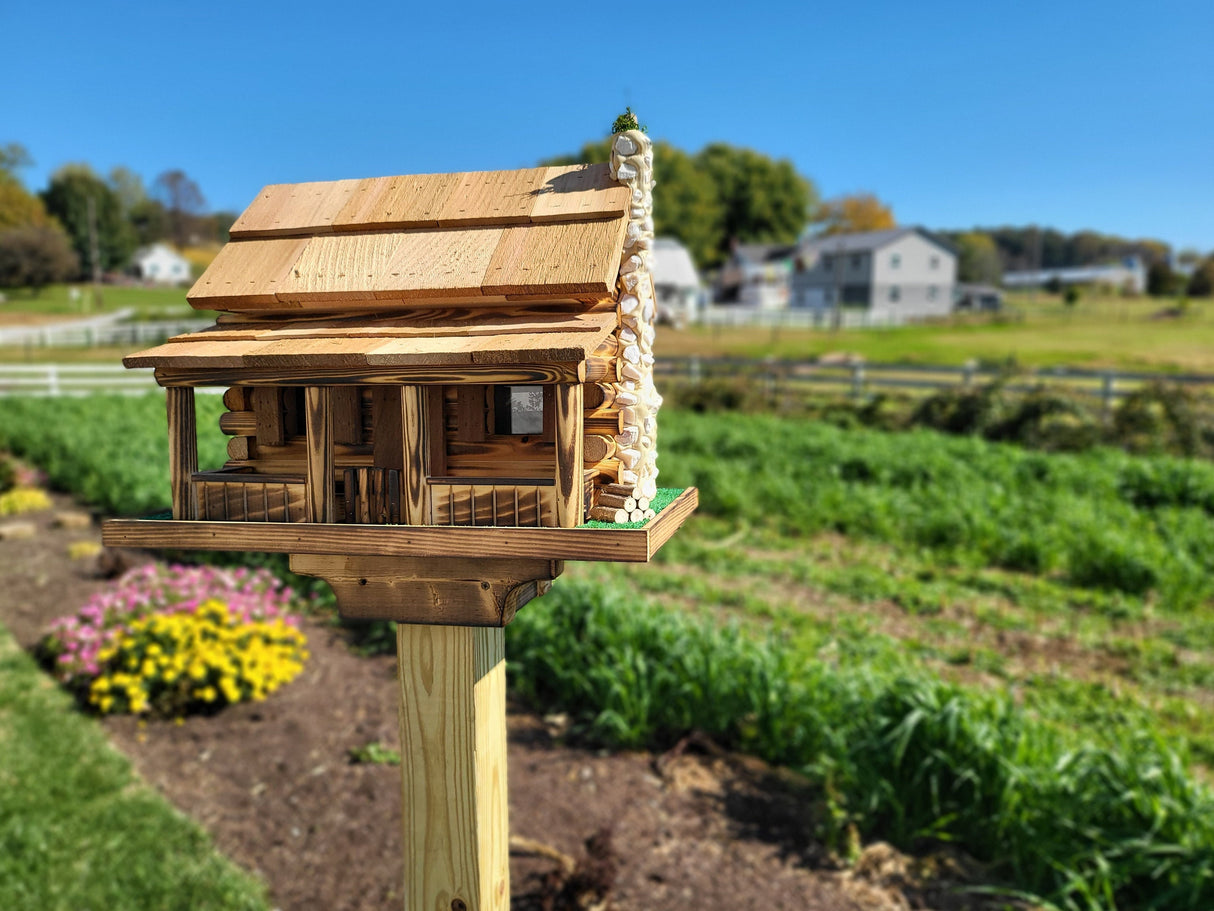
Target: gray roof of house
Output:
{"points": [[865, 241]]}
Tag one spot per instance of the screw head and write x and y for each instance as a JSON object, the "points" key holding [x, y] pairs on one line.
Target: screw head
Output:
{"points": [[457, 904]]}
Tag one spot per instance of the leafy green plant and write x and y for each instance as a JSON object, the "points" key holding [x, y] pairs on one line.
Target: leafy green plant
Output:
{"points": [[374, 753], [627, 121]]}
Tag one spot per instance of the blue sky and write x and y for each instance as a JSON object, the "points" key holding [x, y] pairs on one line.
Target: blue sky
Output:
{"points": [[1069, 113]]}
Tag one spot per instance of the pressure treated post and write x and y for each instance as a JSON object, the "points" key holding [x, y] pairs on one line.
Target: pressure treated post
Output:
{"points": [[453, 767], [183, 447]]}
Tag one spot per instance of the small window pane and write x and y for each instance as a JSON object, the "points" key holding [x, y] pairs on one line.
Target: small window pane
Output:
{"points": [[518, 410]]}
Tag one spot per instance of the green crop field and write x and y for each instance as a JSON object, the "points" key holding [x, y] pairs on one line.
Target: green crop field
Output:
{"points": [[951, 639]]}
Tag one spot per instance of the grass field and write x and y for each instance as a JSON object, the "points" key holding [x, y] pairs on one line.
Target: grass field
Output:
{"points": [[78, 830], [56, 301], [1110, 332]]}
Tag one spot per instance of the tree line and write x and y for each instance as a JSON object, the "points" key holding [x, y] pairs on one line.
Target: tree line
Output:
{"points": [[984, 254], [85, 225]]}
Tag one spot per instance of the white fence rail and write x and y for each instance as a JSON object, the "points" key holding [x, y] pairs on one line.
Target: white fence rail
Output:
{"points": [[92, 334], [78, 379]]}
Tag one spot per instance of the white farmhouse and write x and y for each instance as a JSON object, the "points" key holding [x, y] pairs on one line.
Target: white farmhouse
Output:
{"points": [[897, 274], [161, 265]]}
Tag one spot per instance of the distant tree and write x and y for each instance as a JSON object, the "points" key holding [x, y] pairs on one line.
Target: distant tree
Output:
{"points": [[13, 157], [183, 202], [762, 199], [977, 258], [33, 256], [1161, 280], [1071, 296], [67, 199], [221, 224], [149, 221], [1201, 282], [723, 192], [18, 206], [127, 187], [854, 214]]}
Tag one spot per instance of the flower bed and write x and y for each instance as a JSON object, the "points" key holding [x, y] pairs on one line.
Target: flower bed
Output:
{"points": [[170, 640]]}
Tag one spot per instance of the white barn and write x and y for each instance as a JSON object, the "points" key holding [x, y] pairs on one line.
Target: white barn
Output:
{"points": [[160, 264]]}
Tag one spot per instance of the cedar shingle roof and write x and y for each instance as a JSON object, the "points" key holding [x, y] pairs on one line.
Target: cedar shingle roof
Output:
{"points": [[477, 238]]}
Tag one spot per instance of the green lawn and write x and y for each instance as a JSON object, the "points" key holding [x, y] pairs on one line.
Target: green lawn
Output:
{"points": [[150, 303], [1108, 332], [78, 830]]}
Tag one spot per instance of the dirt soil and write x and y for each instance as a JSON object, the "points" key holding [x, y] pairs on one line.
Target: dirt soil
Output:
{"points": [[274, 785]]}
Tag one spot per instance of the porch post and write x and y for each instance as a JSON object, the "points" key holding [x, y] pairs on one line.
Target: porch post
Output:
{"points": [[322, 478], [569, 457], [183, 448]]}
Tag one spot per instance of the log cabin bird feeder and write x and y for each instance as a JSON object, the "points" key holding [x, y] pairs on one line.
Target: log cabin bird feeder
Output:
{"points": [[438, 389]]}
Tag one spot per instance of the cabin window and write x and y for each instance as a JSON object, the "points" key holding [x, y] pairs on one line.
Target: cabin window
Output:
{"points": [[518, 410]]}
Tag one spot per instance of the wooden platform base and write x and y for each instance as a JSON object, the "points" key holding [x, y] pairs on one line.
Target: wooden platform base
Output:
{"points": [[613, 545], [446, 591]]}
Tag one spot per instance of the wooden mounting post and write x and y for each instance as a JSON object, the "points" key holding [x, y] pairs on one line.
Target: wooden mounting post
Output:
{"points": [[183, 448], [453, 767]]}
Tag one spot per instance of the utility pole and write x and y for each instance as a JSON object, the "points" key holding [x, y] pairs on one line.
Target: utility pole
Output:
{"points": [[94, 251]]}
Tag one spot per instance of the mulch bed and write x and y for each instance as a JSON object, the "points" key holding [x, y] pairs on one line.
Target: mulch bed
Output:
{"points": [[274, 785]]}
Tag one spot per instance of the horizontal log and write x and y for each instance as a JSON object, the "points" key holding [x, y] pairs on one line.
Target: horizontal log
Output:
{"points": [[619, 490], [597, 395], [595, 447], [599, 369], [236, 398], [608, 514], [608, 348], [606, 425], [482, 374], [615, 501], [238, 423]]}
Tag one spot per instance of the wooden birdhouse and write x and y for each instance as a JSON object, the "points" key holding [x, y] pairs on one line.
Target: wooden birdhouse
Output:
{"points": [[432, 382], [438, 389]]}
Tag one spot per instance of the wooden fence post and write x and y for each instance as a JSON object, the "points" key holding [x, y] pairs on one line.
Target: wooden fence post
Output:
{"points": [[857, 379], [1108, 394]]}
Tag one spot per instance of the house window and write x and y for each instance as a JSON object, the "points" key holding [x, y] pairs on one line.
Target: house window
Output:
{"points": [[895, 260], [895, 294], [826, 262], [828, 296], [931, 292], [934, 262], [518, 410], [856, 260]]}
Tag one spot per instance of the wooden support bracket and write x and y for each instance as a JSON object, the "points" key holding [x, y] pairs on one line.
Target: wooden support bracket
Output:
{"points": [[443, 590]]}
